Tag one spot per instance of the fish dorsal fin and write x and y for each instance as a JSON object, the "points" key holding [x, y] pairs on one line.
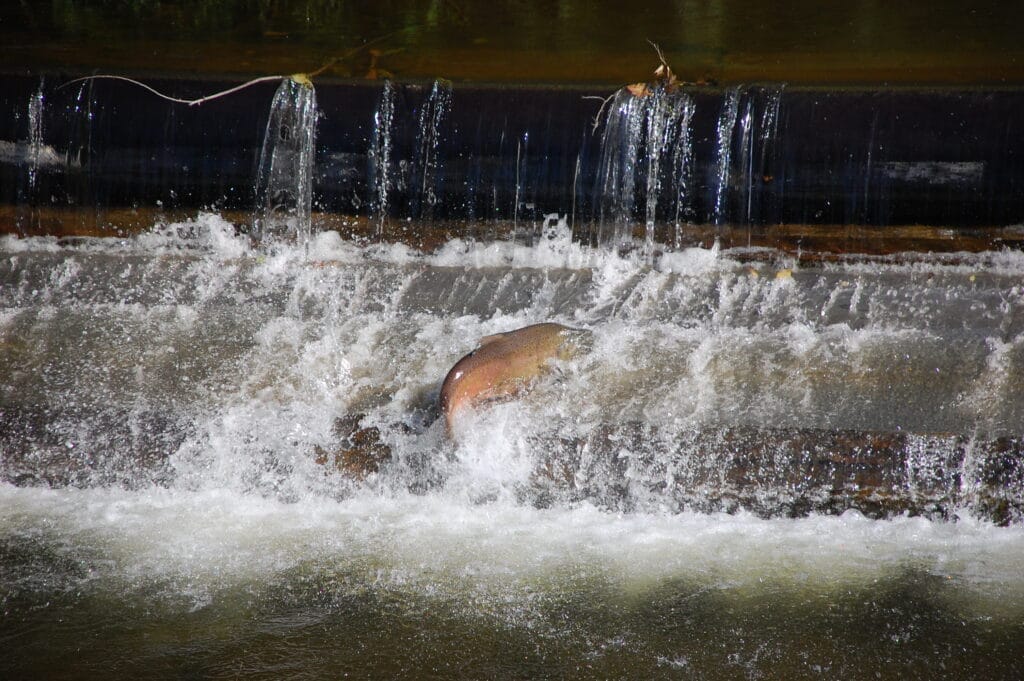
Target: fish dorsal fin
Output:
{"points": [[490, 339]]}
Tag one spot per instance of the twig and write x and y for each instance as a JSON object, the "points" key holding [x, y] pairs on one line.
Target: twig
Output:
{"points": [[354, 51], [661, 55], [604, 103], [195, 102], [190, 102], [663, 72]]}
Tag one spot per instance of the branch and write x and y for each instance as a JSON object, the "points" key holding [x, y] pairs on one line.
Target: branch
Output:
{"points": [[604, 103], [190, 102]]}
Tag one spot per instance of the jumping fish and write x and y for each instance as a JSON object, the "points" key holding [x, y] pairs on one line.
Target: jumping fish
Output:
{"points": [[505, 365]]}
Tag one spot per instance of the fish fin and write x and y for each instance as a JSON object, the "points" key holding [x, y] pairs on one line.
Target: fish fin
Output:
{"points": [[492, 398], [504, 391], [490, 339]]}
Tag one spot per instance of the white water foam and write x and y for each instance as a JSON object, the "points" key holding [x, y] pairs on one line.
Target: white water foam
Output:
{"points": [[199, 542], [296, 337]]}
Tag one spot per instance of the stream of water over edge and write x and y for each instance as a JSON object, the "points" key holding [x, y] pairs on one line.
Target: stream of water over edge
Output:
{"points": [[164, 512]]}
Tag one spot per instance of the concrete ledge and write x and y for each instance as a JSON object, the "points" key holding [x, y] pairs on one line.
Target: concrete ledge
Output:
{"points": [[945, 158]]}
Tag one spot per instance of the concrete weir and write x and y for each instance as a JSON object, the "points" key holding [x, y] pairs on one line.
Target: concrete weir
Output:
{"points": [[400, 160]]}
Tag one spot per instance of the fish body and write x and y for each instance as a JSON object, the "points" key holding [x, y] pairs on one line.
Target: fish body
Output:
{"points": [[505, 364]]}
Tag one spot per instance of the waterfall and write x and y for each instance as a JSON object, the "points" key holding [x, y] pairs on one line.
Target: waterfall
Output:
{"points": [[284, 181], [682, 167], [768, 138], [35, 135], [620, 148], [219, 367], [380, 155], [746, 133], [770, 125], [670, 161], [427, 165], [725, 129], [658, 127], [668, 140], [745, 124], [646, 144], [525, 228]]}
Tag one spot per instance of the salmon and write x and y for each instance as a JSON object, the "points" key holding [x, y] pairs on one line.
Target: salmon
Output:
{"points": [[506, 364]]}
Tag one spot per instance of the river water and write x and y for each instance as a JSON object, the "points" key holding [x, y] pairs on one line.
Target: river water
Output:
{"points": [[167, 510]]}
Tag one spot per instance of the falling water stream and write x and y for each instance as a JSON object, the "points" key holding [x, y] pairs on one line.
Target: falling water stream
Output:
{"points": [[380, 154], [284, 181], [761, 468]]}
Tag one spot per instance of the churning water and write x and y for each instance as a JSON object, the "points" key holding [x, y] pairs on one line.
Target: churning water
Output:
{"points": [[167, 508]]}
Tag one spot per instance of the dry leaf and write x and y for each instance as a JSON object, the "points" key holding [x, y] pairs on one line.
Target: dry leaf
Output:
{"points": [[638, 89]]}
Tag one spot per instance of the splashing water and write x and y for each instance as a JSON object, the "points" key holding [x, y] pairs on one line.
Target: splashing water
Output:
{"points": [[164, 398]]}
